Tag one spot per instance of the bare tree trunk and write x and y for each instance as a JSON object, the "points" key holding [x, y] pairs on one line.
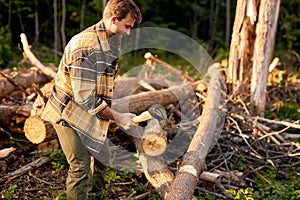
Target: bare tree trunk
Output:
{"points": [[63, 21], [241, 48], [55, 29], [263, 51], [36, 20], [228, 24], [194, 23], [9, 13], [82, 14], [213, 21]]}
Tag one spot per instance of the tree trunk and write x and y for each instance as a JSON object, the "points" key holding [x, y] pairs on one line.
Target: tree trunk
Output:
{"points": [[154, 167], [140, 102], [13, 117], [63, 22], [37, 131], [36, 20], [55, 29], [241, 48], [82, 15], [194, 159], [263, 51], [213, 21], [228, 24]]}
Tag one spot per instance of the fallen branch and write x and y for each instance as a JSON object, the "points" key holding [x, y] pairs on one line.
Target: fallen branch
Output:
{"points": [[289, 124], [193, 161], [25, 169], [28, 54], [150, 58]]}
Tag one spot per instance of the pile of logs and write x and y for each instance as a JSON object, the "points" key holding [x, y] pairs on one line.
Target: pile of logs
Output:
{"points": [[24, 94]]}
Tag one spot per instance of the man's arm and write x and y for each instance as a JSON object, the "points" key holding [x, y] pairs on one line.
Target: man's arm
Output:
{"points": [[122, 119]]}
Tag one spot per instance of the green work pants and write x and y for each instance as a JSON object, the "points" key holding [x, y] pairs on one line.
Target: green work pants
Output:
{"points": [[86, 175]]}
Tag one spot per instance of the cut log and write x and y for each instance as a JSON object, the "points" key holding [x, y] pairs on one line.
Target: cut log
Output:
{"points": [[154, 140], [20, 78], [138, 103], [31, 57], [37, 130], [13, 117], [154, 166]]}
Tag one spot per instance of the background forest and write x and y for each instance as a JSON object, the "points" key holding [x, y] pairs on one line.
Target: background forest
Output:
{"points": [[207, 21]]}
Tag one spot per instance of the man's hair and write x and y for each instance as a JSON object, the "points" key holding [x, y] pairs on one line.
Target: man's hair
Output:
{"points": [[121, 8]]}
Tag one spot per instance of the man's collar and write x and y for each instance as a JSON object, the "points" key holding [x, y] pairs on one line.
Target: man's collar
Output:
{"points": [[101, 33]]}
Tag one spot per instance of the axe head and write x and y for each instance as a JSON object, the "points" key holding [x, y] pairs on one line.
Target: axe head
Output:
{"points": [[158, 112]]}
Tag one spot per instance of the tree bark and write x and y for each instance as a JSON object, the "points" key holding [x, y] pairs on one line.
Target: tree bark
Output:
{"points": [[263, 51], [154, 167], [22, 78], [242, 41], [13, 117], [138, 103], [192, 163]]}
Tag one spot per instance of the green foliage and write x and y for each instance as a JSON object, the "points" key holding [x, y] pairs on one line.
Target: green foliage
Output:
{"points": [[154, 197], [62, 196], [9, 194], [289, 23], [57, 156], [110, 177], [207, 197], [238, 163], [139, 187], [242, 194], [289, 110], [283, 189], [6, 47]]}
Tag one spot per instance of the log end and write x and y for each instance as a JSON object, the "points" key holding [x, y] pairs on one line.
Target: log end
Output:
{"points": [[154, 145], [35, 130]]}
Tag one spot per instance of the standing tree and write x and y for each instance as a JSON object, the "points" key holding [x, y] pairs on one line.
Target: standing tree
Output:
{"points": [[36, 21], [82, 14], [55, 29], [63, 22], [252, 47]]}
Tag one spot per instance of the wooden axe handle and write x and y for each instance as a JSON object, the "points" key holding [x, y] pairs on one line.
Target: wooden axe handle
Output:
{"points": [[144, 116]]}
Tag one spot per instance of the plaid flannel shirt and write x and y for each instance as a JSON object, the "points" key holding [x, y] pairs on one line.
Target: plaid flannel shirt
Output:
{"points": [[84, 85]]}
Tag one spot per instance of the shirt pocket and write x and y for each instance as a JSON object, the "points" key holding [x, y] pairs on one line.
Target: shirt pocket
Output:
{"points": [[105, 86]]}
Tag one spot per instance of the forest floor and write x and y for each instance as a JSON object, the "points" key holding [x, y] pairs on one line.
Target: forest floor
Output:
{"points": [[256, 159]]}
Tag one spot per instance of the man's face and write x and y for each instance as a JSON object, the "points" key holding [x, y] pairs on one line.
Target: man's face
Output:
{"points": [[122, 27]]}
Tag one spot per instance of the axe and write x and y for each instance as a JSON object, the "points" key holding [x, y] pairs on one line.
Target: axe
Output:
{"points": [[158, 112]]}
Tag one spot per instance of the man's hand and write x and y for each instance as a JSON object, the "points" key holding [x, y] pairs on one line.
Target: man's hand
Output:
{"points": [[124, 120], [113, 127]]}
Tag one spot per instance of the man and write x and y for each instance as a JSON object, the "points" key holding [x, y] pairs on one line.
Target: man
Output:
{"points": [[79, 106]]}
